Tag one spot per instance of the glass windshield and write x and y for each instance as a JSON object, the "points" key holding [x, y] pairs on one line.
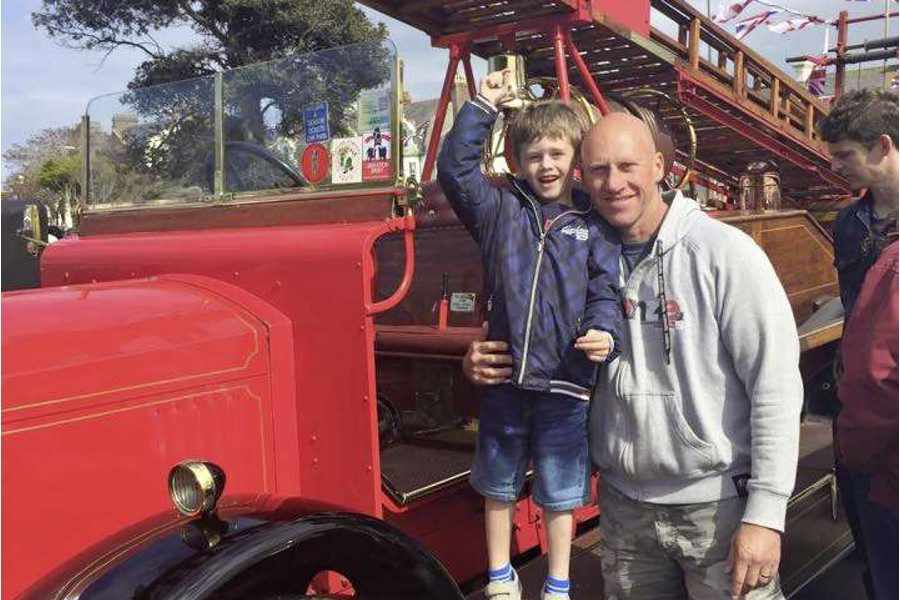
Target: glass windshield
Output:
{"points": [[326, 120], [151, 143]]}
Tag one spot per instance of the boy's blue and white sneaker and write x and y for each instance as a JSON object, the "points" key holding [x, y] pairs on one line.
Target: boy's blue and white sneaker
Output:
{"points": [[553, 596], [504, 590]]}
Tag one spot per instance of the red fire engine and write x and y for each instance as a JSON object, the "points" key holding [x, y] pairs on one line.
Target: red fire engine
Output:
{"points": [[241, 378]]}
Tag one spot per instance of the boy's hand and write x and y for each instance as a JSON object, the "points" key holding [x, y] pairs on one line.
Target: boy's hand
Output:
{"points": [[595, 344], [496, 87]]}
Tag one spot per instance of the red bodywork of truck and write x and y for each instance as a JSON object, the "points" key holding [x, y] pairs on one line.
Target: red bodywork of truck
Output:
{"points": [[171, 368], [165, 367]]}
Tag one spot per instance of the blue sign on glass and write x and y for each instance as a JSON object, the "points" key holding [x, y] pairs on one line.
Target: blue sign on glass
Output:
{"points": [[315, 118]]}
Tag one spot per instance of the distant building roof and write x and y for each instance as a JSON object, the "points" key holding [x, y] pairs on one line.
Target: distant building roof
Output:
{"points": [[122, 122], [421, 111]]}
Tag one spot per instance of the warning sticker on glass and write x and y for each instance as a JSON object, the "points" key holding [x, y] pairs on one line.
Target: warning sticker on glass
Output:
{"points": [[376, 155], [315, 119], [346, 160], [462, 302], [374, 109], [314, 163]]}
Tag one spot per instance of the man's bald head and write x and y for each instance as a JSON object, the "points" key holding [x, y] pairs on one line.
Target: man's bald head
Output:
{"points": [[608, 131], [622, 170]]}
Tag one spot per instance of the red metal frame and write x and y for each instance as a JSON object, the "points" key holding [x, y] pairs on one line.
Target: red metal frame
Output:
{"points": [[580, 16], [557, 27], [440, 112], [562, 73], [869, 18], [585, 73], [407, 225], [842, 25], [841, 49]]}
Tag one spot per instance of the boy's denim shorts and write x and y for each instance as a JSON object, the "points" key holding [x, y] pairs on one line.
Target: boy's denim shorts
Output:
{"points": [[517, 427]]}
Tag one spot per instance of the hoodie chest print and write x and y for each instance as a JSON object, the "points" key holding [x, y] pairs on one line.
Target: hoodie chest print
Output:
{"points": [[651, 313]]}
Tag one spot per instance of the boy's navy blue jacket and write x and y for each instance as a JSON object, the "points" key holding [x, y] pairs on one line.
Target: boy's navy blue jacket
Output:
{"points": [[551, 269]]}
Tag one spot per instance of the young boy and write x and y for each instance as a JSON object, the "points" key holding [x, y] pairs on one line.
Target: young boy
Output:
{"points": [[551, 266]]}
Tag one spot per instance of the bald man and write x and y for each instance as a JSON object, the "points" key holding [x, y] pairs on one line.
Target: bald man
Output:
{"points": [[695, 427]]}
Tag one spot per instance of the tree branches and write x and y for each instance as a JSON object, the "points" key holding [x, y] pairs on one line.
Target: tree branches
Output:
{"points": [[235, 32]]}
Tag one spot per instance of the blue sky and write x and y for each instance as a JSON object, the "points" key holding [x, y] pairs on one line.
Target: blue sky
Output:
{"points": [[47, 85]]}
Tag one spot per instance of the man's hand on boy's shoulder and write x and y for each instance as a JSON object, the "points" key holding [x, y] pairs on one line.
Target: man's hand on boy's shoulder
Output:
{"points": [[595, 344], [496, 87], [487, 362]]}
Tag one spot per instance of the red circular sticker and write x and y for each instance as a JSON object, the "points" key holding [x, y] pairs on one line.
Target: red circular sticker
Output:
{"points": [[315, 162]]}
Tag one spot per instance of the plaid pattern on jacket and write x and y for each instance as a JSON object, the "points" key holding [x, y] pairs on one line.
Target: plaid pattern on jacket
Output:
{"points": [[551, 269]]}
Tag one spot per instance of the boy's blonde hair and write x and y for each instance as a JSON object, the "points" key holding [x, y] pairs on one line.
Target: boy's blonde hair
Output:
{"points": [[548, 118]]}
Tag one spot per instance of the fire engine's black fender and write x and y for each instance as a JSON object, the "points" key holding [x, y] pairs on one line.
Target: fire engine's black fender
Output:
{"points": [[270, 560]]}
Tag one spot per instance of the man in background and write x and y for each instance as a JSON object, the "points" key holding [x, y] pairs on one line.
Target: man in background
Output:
{"points": [[862, 135]]}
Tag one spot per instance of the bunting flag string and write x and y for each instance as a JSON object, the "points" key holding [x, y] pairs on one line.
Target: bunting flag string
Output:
{"points": [[795, 24], [813, 72], [743, 28], [729, 10]]}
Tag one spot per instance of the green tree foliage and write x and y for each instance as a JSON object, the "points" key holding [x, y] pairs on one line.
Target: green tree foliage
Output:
{"points": [[60, 175], [46, 168], [60, 178], [46, 144], [231, 33]]}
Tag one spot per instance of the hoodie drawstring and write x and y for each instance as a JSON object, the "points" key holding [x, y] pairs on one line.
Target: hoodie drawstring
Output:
{"points": [[663, 303]]}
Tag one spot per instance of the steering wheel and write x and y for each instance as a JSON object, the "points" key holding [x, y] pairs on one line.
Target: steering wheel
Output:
{"points": [[237, 148]]}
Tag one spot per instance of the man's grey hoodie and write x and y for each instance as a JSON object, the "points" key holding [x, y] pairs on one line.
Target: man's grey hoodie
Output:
{"points": [[706, 407]]}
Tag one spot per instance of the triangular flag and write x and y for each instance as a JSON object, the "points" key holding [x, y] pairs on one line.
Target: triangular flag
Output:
{"points": [[743, 28], [795, 24], [729, 10]]}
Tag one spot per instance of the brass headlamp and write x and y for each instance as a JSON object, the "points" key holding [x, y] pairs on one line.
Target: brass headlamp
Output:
{"points": [[195, 487]]}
